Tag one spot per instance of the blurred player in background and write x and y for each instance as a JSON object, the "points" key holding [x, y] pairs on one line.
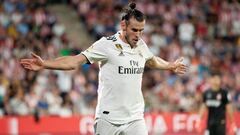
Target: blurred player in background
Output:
{"points": [[217, 101], [121, 58]]}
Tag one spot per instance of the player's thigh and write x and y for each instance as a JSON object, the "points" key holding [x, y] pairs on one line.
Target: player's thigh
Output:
{"points": [[136, 128], [103, 127], [211, 132], [217, 129], [211, 129]]}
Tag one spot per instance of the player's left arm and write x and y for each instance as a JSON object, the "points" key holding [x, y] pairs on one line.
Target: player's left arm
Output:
{"points": [[159, 63], [229, 109], [227, 100]]}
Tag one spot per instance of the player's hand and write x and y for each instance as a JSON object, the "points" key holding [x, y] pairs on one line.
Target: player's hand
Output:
{"points": [[199, 126], [233, 128], [179, 67], [35, 63]]}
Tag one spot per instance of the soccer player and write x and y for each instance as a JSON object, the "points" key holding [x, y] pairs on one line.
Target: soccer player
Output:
{"points": [[121, 58], [216, 101]]}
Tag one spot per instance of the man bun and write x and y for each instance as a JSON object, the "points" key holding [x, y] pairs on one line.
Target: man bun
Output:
{"points": [[132, 5], [131, 11]]}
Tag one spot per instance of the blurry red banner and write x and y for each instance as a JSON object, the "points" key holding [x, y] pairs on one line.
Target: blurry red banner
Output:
{"points": [[164, 124]]}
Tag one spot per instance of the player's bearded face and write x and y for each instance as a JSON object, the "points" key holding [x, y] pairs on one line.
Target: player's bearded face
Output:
{"points": [[134, 31]]}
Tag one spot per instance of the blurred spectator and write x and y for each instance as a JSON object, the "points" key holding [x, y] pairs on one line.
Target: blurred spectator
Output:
{"points": [[186, 32]]}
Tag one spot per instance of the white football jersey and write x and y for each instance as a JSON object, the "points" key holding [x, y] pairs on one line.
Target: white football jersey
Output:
{"points": [[121, 67]]}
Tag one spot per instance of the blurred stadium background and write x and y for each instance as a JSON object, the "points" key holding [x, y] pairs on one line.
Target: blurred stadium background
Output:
{"points": [[205, 32]]}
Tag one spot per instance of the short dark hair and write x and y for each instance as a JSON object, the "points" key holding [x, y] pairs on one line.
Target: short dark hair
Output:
{"points": [[215, 73], [131, 11]]}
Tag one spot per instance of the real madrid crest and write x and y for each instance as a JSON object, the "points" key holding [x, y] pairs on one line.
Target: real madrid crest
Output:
{"points": [[119, 47]]}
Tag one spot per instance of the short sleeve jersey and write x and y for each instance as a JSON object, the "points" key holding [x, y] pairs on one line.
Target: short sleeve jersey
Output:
{"points": [[216, 102], [121, 67]]}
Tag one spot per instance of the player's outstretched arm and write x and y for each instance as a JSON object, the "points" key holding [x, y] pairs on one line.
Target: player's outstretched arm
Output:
{"points": [[177, 66], [62, 63]]}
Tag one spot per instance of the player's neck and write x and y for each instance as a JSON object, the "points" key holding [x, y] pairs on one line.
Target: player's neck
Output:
{"points": [[215, 88]]}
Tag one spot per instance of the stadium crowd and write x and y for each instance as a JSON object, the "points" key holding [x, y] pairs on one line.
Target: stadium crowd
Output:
{"points": [[205, 32]]}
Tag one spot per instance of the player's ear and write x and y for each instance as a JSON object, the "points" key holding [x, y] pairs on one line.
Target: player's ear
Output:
{"points": [[123, 25]]}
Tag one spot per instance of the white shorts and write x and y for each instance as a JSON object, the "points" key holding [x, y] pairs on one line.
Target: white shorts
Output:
{"points": [[103, 127]]}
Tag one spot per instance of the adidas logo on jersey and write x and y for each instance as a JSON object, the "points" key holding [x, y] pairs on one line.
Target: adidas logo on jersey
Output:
{"points": [[121, 54]]}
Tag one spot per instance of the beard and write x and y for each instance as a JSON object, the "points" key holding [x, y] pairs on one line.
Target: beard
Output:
{"points": [[128, 41]]}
